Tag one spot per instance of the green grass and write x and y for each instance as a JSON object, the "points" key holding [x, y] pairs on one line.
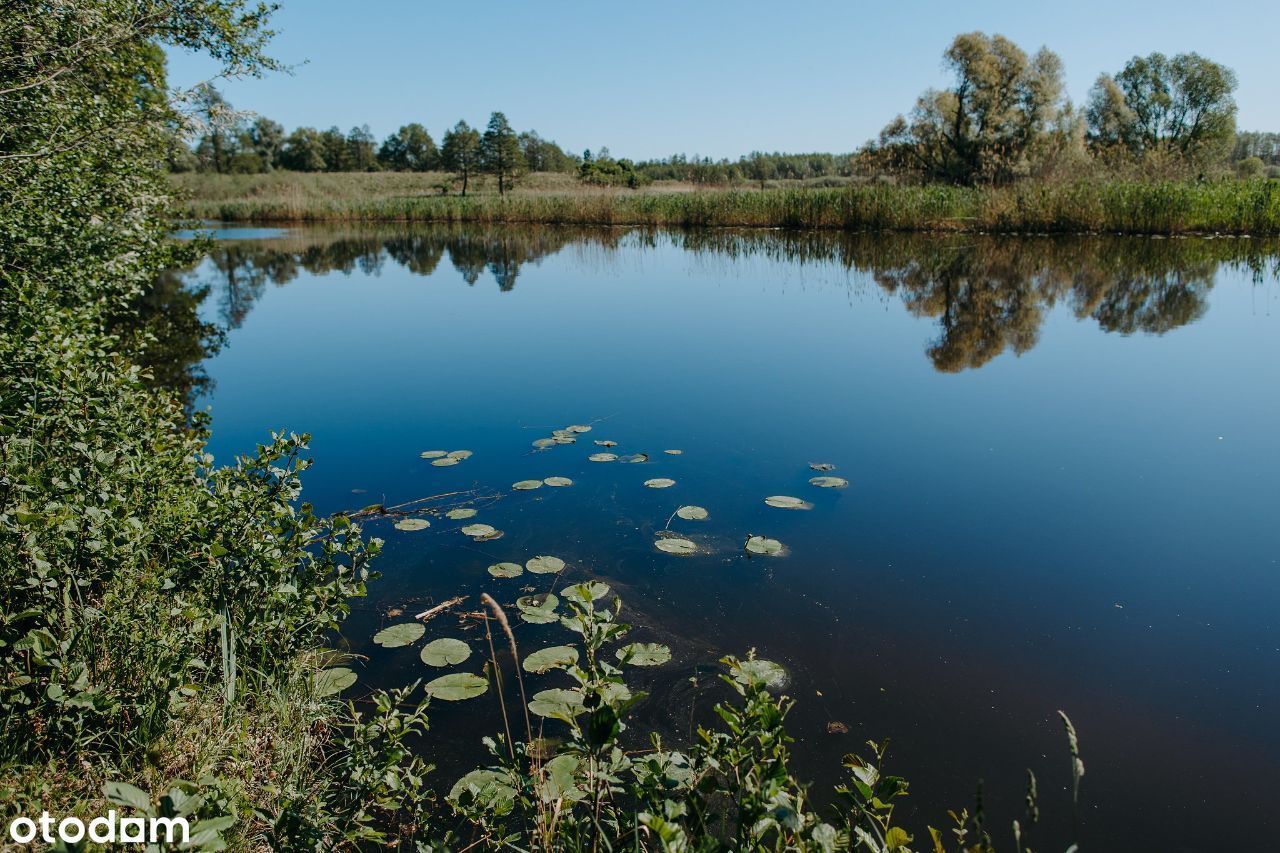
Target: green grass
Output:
{"points": [[1128, 207]]}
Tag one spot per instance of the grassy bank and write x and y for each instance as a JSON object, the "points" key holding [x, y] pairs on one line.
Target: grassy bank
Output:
{"points": [[1227, 207]]}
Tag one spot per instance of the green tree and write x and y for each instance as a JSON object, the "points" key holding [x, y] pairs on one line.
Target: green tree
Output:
{"points": [[500, 152], [267, 139], [460, 152], [409, 149], [987, 126], [361, 150], [304, 151], [1182, 105]]}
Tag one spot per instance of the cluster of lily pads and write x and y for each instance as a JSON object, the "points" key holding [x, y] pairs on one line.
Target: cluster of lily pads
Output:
{"points": [[445, 458], [566, 435]]}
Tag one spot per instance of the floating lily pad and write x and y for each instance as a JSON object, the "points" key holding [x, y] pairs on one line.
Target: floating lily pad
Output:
{"points": [[765, 672], [564, 439], [433, 454], [460, 454], [553, 657], [488, 789], [602, 457], [394, 636], [679, 547], [412, 524], [787, 502], [476, 530], [692, 513], [822, 466], [660, 483], [488, 537], [604, 442], [445, 461], [635, 458], [578, 428], [543, 565], [765, 546], [527, 485], [557, 703], [456, 687], [558, 481], [506, 570], [460, 513], [544, 443], [829, 482], [644, 654], [673, 452], [330, 681], [585, 593], [538, 609], [445, 652]]}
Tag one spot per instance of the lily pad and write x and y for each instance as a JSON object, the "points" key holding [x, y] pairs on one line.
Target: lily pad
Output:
{"points": [[538, 609], [602, 457], [760, 671], [829, 482], [527, 485], [644, 654], [765, 546], [552, 657], [456, 687], [787, 502], [679, 547], [692, 513], [635, 458], [460, 513], [402, 634], [673, 452], [460, 454], [578, 428], [412, 524], [604, 442], [660, 483], [543, 565], [558, 481], [822, 466], [557, 703], [544, 443], [330, 681], [489, 789], [445, 652], [478, 530], [506, 570], [433, 454], [445, 461]]}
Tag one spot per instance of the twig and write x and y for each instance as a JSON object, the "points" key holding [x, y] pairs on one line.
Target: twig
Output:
{"points": [[431, 613]]}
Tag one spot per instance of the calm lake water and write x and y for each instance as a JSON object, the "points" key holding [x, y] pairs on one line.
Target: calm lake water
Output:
{"points": [[1063, 469]]}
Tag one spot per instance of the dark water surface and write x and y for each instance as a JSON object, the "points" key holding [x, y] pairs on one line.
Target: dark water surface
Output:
{"points": [[1063, 465]]}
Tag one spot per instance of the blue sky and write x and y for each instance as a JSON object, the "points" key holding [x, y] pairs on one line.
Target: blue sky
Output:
{"points": [[713, 78]]}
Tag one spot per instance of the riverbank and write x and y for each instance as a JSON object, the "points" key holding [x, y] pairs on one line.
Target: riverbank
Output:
{"points": [[1123, 207]]}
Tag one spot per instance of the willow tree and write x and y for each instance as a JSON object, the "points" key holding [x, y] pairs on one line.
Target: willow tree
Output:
{"points": [[987, 126], [1181, 105]]}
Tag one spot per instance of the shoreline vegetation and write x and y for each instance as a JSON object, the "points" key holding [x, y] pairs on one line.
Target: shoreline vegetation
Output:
{"points": [[1167, 207]]}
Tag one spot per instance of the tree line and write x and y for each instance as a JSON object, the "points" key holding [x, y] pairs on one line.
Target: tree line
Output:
{"points": [[1004, 118]]}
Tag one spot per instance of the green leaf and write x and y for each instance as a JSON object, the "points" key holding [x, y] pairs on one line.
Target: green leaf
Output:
{"points": [[644, 654], [479, 530], [692, 513], [557, 703], [828, 482], [787, 502], [552, 657], [538, 609], [543, 565], [124, 794], [445, 652], [488, 789], [558, 481], [456, 687], [444, 461], [506, 570], [602, 457], [660, 483], [402, 634], [433, 454], [412, 524], [585, 593], [764, 546], [527, 485], [331, 681], [760, 671], [460, 513], [679, 547]]}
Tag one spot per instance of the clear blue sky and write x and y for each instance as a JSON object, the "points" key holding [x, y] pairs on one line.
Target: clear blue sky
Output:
{"points": [[713, 78]]}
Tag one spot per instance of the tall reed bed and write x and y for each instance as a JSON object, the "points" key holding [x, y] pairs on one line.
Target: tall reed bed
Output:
{"points": [[1229, 207]]}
